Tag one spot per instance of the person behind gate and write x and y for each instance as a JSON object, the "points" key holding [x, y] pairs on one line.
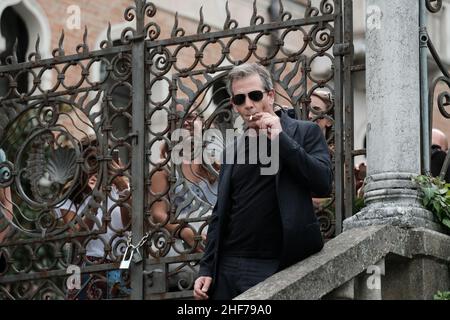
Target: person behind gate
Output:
{"points": [[439, 149], [263, 223], [110, 284], [6, 211]]}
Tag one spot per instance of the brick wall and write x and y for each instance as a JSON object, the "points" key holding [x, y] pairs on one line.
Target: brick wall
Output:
{"points": [[96, 15]]}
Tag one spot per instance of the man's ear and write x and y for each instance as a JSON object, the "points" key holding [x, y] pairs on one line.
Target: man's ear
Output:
{"points": [[234, 108], [271, 96]]}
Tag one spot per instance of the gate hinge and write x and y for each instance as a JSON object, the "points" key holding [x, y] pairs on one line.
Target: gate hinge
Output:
{"points": [[341, 49]]}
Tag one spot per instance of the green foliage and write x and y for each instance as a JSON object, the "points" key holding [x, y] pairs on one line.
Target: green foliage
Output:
{"points": [[435, 194], [358, 205], [442, 295]]}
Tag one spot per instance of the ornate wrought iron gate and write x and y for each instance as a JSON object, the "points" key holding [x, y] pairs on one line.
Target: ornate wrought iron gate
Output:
{"points": [[438, 86], [71, 210]]}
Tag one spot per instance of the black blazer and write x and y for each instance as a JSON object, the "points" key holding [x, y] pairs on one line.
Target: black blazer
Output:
{"points": [[305, 169]]}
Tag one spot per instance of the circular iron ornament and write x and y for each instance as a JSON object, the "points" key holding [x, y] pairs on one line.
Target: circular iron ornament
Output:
{"points": [[127, 35], [90, 160], [256, 20], [82, 75], [443, 99], [130, 13], [22, 259], [126, 165], [22, 289], [28, 92], [168, 94], [311, 12], [112, 89], [152, 31], [331, 73], [443, 102], [121, 66], [117, 137], [159, 243], [269, 54], [302, 47], [69, 252], [150, 115], [46, 221], [6, 174], [179, 245], [159, 61], [47, 115], [187, 282], [92, 237], [196, 57], [119, 245], [45, 256], [326, 7], [164, 161], [96, 287], [228, 49], [48, 170], [433, 5], [222, 57], [326, 221], [150, 9], [49, 291], [108, 69], [322, 37], [56, 78], [286, 16]]}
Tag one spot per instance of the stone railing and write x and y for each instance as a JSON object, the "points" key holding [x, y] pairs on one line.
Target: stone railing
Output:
{"points": [[377, 262]]}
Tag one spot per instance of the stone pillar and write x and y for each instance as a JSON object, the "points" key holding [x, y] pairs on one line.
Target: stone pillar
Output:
{"points": [[393, 130]]}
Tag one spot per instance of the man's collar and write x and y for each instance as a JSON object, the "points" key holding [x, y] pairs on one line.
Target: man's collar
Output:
{"points": [[287, 123]]}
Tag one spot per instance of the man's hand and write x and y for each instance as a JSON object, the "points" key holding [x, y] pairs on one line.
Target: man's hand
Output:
{"points": [[269, 122], [201, 287], [120, 181]]}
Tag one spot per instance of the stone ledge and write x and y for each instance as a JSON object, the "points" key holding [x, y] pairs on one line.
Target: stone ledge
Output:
{"points": [[424, 242], [407, 217], [345, 257]]}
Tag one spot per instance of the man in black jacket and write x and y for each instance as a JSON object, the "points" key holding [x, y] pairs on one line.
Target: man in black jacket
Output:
{"points": [[263, 223]]}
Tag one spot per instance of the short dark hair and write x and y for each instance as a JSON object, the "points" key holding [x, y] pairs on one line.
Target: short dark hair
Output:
{"points": [[248, 69]]}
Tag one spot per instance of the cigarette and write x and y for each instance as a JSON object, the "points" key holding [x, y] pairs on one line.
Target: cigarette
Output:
{"points": [[251, 117]]}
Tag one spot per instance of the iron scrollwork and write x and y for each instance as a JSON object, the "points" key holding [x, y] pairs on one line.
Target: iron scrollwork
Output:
{"points": [[441, 82], [68, 126]]}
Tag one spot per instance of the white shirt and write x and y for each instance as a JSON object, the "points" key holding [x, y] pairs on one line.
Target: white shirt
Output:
{"points": [[95, 247]]}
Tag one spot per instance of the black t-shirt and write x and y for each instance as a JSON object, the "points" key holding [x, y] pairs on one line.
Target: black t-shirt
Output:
{"points": [[254, 224]]}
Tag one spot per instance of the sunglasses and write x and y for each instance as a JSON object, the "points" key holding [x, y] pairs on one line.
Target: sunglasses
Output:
{"points": [[255, 96]]}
